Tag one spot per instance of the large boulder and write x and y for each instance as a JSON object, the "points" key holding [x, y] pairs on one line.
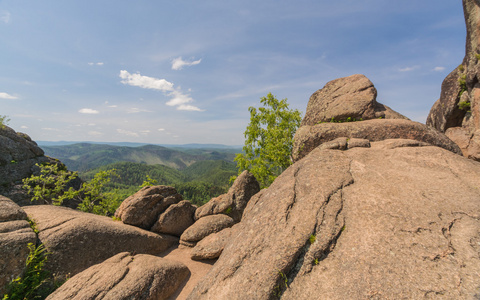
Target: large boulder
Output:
{"points": [[234, 201], [459, 103], [204, 227], [125, 276], [143, 208], [15, 235], [387, 222], [308, 137], [18, 156], [352, 98], [78, 240], [176, 218]]}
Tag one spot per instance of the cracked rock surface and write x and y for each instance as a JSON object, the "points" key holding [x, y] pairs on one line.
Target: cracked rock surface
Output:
{"points": [[398, 220], [124, 276], [78, 240]]}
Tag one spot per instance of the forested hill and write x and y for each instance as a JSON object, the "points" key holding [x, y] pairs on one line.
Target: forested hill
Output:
{"points": [[85, 156], [199, 182]]}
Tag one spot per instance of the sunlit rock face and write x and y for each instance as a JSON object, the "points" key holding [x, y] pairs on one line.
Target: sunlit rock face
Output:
{"points": [[457, 112]]}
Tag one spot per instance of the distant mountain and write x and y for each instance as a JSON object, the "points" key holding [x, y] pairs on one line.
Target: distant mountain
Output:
{"points": [[86, 156], [129, 144]]}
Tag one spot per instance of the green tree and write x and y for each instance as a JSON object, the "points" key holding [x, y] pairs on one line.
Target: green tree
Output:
{"points": [[51, 185], [148, 181], [4, 121], [269, 139]]}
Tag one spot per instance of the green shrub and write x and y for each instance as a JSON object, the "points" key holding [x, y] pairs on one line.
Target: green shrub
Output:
{"points": [[33, 283], [4, 121], [464, 105], [51, 187]]}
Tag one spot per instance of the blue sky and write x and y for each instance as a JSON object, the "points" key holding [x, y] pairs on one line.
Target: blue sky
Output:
{"points": [[176, 72]]}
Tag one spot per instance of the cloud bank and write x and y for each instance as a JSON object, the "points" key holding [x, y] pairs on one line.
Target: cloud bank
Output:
{"points": [[178, 98], [178, 63]]}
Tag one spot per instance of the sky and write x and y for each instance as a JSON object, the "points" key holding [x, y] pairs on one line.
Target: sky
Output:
{"points": [[186, 71]]}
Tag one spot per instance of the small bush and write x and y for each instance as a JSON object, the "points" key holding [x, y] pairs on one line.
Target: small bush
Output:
{"points": [[4, 121], [464, 105], [32, 284]]}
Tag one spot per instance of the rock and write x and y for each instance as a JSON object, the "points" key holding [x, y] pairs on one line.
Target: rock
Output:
{"points": [[143, 208], [125, 276], [386, 222], [18, 156], [175, 219], [204, 227], [459, 103], [308, 138], [15, 235], [234, 202], [212, 246], [78, 240], [351, 97]]}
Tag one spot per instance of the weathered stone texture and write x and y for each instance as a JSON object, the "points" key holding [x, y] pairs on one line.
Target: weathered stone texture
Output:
{"points": [[78, 240], [399, 220], [125, 276]]}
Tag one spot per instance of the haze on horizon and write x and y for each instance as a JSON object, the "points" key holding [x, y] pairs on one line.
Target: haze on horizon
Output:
{"points": [[179, 72]]}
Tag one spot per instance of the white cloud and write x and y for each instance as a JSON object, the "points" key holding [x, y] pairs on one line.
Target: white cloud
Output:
{"points": [[7, 96], [24, 127], [94, 133], [189, 108], [5, 17], [178, 63], [135, 110], [88, 111], [95, 64], [50, 129], [439, 69], [126, 132], [161, 129], [408, 69], [179, 99], [146, 82]]}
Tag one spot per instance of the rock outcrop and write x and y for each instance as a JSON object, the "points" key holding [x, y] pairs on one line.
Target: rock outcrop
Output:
{"points": [[234, 201], [125, 276], [457, 112], [347, 107], [308, 137], [349, 98], [18, 156], [143, 208], [15, 235], [78, 240], [400, 219]]}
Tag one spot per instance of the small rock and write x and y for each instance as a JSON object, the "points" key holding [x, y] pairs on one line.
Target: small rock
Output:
{"points": [[212, 246], [234, 202], [143, 208], [176, 218], [206, 226]]}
